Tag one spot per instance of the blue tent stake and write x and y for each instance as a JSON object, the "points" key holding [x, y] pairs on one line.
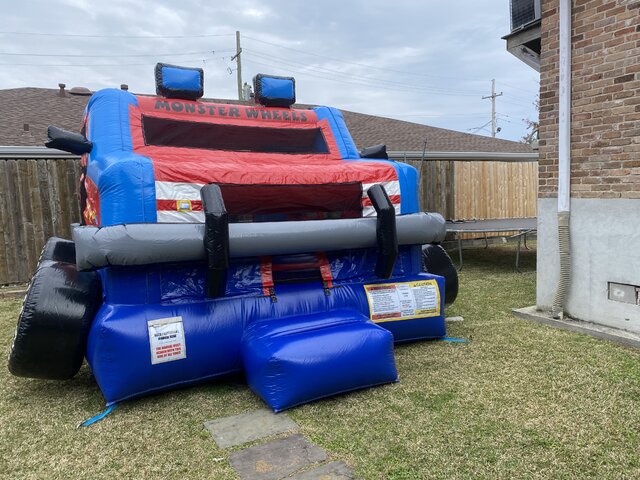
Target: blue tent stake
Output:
{"points": [[98, 417], [454, 340]]}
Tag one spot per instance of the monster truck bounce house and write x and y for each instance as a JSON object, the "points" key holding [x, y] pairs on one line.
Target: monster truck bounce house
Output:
{"points": [[221, 238]]}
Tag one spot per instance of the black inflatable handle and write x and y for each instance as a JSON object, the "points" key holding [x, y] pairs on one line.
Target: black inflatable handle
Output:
{"points": [[376, 151], [386, 233], [66, 141], [216, 239]]}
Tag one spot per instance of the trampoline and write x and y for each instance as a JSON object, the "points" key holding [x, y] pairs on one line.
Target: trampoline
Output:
{"points": [[523, 227]]}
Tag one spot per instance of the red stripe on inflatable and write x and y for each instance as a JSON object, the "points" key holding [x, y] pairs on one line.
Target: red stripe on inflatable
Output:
{"points": [[172, 205], [366, 202]]}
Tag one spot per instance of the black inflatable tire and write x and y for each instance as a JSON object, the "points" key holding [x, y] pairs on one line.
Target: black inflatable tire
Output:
{"points": [[435, 260], [59, 250], [53, 325]]}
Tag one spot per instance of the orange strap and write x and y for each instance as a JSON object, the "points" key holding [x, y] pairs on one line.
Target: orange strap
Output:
{"points": [[267, 268], [325, 269], [266, 272]]}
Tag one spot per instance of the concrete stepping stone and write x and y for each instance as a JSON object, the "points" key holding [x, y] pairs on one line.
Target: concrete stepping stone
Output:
{"points": [[276, 459], [331, 471], [231, 431]]}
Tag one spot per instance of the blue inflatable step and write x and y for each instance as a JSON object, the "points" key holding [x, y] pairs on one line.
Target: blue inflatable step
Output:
{"points": [[295, 360]]}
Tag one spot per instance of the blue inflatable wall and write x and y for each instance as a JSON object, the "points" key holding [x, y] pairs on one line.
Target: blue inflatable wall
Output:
{"points": [[212, 329]]}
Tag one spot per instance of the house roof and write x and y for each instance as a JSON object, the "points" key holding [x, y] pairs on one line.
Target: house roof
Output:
{"points": [[40, 107], [399, 135]]}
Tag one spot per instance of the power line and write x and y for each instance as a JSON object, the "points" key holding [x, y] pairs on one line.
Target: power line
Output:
{"points": [[325, 70], [530, 100], [477, 114], [189, 60], [517, 103], [78, 55], [350, 79], [387, 70], [508, 85], [81, 35], [353, 81], [481, 127]]}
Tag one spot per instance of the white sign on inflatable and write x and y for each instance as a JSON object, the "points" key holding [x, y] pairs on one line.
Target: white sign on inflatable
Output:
{"points": [[166, 340]]}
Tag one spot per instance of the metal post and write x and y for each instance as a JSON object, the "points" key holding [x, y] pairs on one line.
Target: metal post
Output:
{"points": [[239, 64], [493, 97], [518, 254]]}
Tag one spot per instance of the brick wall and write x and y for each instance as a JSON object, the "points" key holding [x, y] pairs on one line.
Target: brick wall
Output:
{"points": [[605, 132]]}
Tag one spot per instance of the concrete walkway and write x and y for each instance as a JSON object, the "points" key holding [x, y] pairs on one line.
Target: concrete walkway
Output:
{"points": [[615, 335], [289, 456]]}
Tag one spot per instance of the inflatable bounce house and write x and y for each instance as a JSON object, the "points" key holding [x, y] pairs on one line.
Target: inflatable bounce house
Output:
{"points": [[220, 238]]}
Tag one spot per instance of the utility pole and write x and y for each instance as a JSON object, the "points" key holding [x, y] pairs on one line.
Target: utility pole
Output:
{"points": [[493, 106], [236, 57]]}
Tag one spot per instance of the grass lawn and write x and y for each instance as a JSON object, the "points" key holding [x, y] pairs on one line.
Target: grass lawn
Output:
{"points": [[521, 400]]}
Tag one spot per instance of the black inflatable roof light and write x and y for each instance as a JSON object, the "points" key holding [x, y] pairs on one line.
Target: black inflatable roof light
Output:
{"points": [[273, 91], [173, 81]]}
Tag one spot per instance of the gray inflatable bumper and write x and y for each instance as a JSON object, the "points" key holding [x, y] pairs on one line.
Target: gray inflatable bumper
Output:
{"points": [[146, 243]]}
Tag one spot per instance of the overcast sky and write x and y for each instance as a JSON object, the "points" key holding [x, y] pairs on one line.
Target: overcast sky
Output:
{"points": [[425, 61]]}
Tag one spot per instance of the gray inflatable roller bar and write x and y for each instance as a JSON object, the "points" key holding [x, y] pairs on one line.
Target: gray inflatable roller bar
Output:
{"points": [[147, 243]]}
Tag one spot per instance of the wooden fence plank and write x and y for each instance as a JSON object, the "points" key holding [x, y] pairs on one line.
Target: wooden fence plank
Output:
{"points": [[72, 168], [16, 237], [46, 199], [65, 199], [26, 215], [6, 261], [36, 204]]}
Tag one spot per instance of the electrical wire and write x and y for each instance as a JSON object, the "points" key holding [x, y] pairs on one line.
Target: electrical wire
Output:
{"points": [[351, 63], [476, 129], [349, 79], [82, 35], [435, 115], [77, 55], [517, 103], [353, 81], [330, 71], [508, 85], [386, 70], [190, 60]]}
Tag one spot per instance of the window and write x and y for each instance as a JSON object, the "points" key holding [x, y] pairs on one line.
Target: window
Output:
{"points": [[272, 203], [239, 138]]}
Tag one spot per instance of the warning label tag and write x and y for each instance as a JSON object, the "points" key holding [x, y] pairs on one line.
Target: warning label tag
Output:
{"points": [[166, 339], [403, 301]]}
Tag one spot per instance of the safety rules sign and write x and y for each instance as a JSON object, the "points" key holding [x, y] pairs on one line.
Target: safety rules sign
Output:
{"points": [[403, 301], [166, 338]]}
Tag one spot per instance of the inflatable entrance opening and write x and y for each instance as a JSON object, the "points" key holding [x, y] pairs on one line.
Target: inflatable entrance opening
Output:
{"points": [[218, 238]]}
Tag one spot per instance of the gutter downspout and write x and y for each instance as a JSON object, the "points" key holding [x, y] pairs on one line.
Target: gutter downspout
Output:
{"points": [[564, 159]]}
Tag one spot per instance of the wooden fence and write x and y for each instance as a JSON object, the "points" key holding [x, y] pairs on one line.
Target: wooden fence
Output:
{"points": [[465, 190], [39, 198]]}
